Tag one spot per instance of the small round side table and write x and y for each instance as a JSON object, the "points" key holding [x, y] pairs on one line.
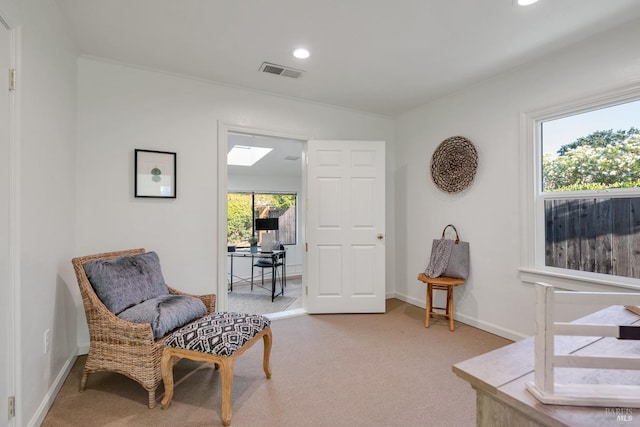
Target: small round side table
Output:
{"points": [[441, 283]]}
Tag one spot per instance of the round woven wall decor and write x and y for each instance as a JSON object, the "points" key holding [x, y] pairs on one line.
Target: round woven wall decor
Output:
{"points": [[454, 164]]}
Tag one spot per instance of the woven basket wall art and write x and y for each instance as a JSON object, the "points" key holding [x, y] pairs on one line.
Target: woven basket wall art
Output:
{"points": [[454, 164]]}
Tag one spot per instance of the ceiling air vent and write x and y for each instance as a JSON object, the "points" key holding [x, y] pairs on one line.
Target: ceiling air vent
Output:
{"points": [[281, 70]]}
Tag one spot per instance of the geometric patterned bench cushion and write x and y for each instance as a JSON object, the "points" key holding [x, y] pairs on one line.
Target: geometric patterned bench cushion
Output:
{"points": [[221, 334]]}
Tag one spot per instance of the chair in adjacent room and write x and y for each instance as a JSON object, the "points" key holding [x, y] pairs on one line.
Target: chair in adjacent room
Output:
{"points": [[277, 265]]}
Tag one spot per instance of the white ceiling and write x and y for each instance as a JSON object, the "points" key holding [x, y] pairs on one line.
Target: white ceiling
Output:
{"points": [[285, 159], [380, 56]]}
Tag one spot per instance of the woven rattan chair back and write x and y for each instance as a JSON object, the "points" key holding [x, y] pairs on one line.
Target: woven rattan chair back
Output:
{"points": [[117, 345]]}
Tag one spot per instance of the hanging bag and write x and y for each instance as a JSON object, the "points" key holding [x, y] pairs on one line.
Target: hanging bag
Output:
{"points": [[449, 257]]}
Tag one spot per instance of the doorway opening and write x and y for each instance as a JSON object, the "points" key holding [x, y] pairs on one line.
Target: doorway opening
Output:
{"points": [[269, 189]]}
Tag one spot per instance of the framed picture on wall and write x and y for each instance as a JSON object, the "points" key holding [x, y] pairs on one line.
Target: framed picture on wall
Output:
{"points": [[155, 174]]}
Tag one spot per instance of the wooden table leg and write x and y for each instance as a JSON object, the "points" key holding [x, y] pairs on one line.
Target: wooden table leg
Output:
{"points": [[429, 304], [450, 306]]}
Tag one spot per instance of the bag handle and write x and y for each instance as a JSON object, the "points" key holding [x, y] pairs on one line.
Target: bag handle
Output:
{"points": [[454, 229]]}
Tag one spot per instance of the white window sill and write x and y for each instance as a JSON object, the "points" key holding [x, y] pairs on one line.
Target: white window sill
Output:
{"points": [[574, 282]]}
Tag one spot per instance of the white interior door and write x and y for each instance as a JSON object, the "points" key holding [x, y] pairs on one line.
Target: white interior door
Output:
{"points": [[345, 226], [6, 307]]}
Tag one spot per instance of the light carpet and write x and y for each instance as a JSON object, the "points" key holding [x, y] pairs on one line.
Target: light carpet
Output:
{"points": [[339, 370], [257, 303]]}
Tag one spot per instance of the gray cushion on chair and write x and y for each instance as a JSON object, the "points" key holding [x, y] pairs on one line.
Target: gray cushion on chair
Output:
{"points": [[264, 262], [123, 282], [165, 313]]}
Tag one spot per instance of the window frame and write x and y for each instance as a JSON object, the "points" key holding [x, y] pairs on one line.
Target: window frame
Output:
{"points": [[533, 268], [253, 209]]}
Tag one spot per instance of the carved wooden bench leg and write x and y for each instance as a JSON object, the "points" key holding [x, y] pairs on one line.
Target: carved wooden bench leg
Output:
{"points": [[267, 352], [225, 364], [166, 366], [226, 371]]}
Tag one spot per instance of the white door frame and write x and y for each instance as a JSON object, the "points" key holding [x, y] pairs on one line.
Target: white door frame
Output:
{"points": [[223, 131], [11, 304]]}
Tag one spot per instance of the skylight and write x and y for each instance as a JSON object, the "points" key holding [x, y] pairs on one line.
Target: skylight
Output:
{"points": [[242, 155]]}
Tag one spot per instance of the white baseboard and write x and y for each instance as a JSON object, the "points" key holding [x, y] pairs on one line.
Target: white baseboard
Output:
{"points": [[467, 320], [408, 299], [49, 398], [286, 314], [489, 327], [83, 348]]}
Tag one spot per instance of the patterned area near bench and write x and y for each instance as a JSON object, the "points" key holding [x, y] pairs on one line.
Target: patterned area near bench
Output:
{"points": [[216, 338]]}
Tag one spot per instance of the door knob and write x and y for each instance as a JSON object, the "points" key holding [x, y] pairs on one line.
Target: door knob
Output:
{"points": [[380, 236]]}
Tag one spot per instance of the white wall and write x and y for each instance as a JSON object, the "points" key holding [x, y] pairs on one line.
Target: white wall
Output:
{"points": [[46, 171], [488, 213], [122, 108]]}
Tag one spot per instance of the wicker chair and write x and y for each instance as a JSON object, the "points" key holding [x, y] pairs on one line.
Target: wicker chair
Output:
{"points": [[117, 345]]}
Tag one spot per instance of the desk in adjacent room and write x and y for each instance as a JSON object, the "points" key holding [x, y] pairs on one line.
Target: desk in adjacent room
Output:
{"points": [[278, 259]]}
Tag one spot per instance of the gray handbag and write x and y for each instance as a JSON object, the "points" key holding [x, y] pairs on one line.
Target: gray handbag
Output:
{"points": [[449, 258]]}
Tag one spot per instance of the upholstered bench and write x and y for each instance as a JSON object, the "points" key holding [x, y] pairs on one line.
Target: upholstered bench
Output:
{"points": [[217, 338]]}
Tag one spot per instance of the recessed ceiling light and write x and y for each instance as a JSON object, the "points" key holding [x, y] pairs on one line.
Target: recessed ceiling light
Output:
{"points": [[301, 53], [241, 155], [524, 2]]}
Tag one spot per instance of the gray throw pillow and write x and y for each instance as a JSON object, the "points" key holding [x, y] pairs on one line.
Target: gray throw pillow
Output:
{"points": [[123, 282], [166, 312]]}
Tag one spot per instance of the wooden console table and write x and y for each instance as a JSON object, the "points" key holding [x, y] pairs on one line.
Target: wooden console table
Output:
{"points": [[499, 378]]}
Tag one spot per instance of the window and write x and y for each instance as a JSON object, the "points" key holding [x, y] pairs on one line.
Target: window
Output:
{"points": [[587, 202], [244, 208]]}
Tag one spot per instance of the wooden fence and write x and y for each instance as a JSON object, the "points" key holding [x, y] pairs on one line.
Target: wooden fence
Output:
{"points": [[595, 235], [287, 226], [286, 233]]}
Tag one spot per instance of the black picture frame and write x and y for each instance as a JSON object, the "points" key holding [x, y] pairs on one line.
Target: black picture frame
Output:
{"points": [[155, 174]]}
